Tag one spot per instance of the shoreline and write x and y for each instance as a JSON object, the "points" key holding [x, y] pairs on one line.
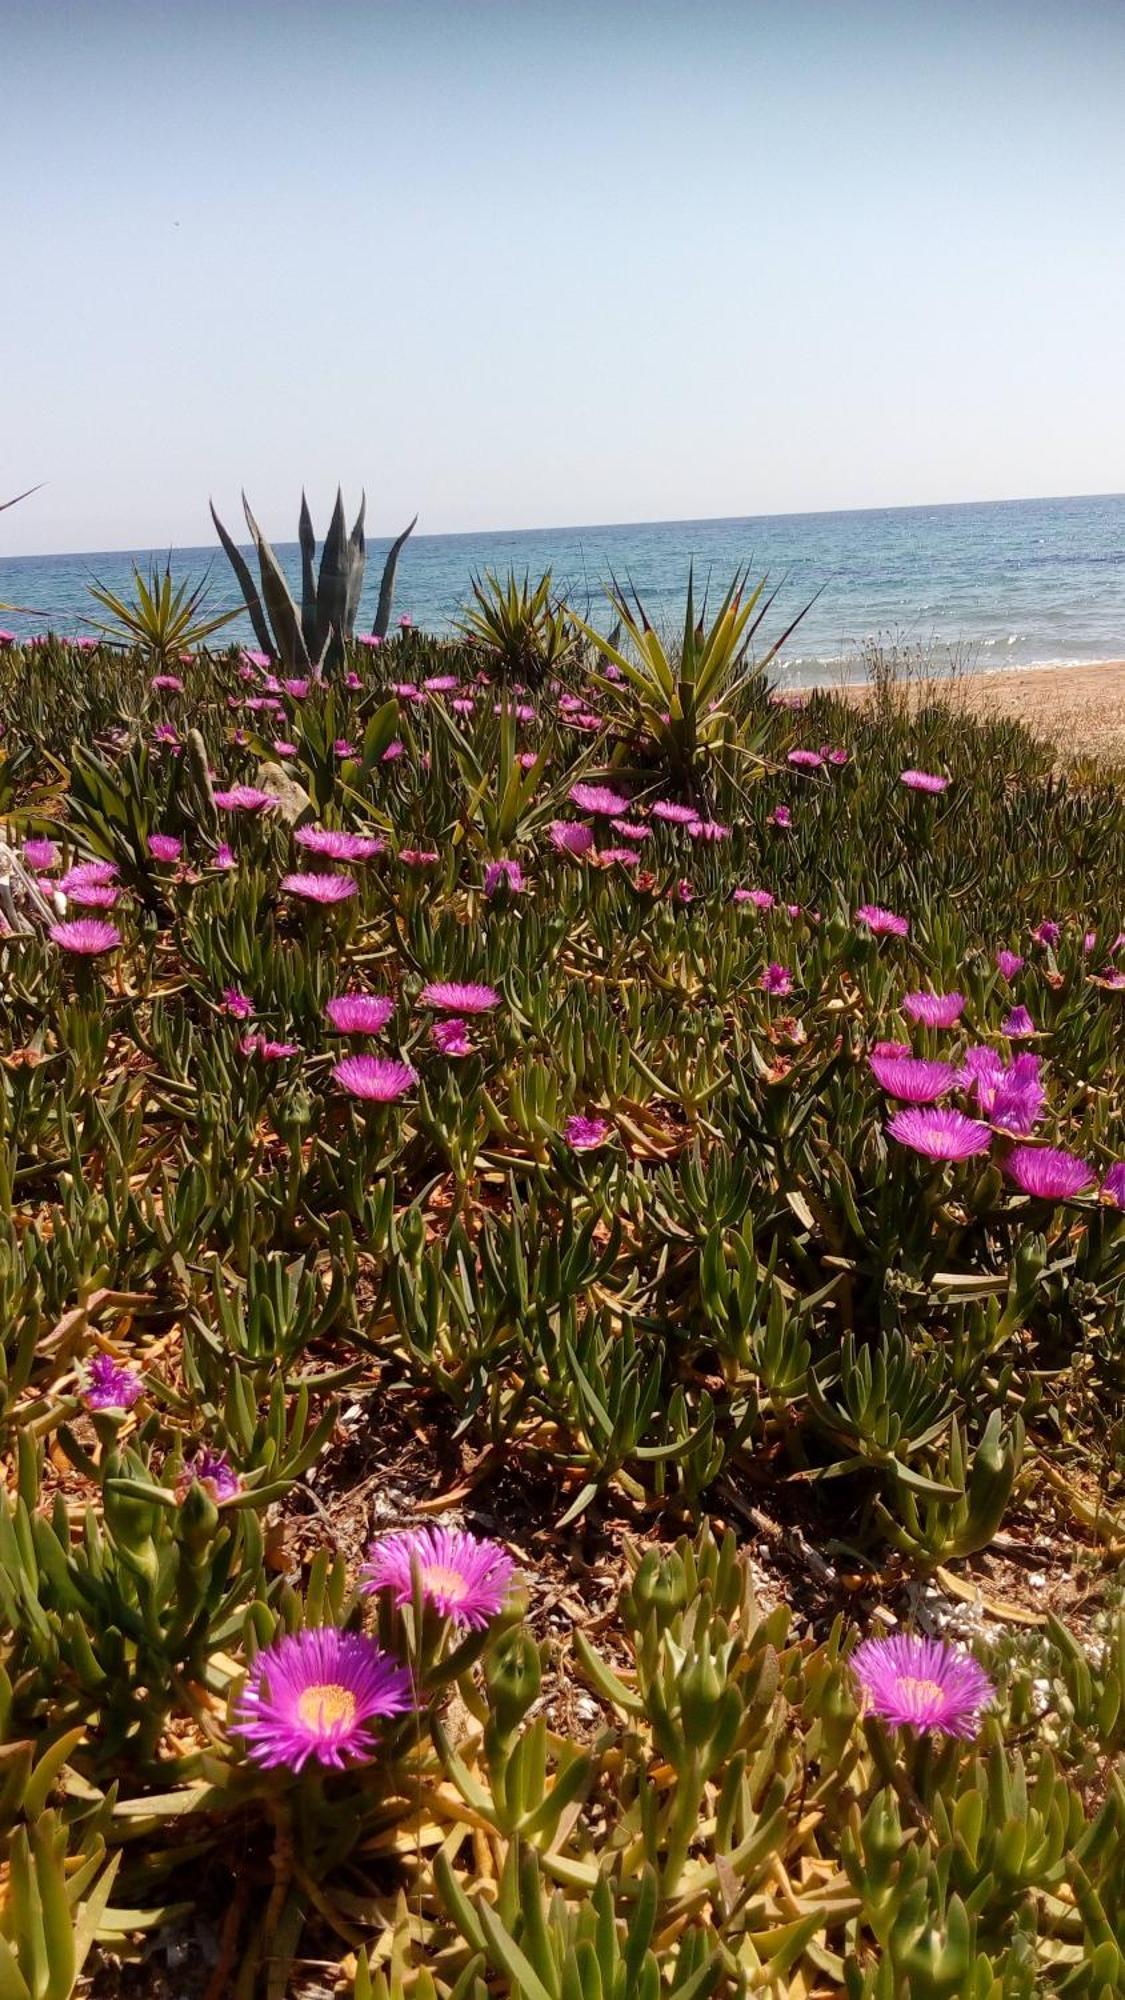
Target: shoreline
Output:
{"points": [[1079, 707]]}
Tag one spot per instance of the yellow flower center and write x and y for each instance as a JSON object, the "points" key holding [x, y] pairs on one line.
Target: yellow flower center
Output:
{"points": [[920, 1690], [444, 1582], [321, 1706]]}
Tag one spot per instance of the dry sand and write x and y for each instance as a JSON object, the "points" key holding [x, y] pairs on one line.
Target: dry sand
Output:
{"points": [[1081, 709]]}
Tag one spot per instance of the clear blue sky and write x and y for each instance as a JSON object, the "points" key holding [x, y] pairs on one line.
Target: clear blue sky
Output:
{"points": [[523, 264]]}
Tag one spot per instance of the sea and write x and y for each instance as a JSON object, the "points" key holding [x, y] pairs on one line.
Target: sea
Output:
{"points": [[978, 587]]}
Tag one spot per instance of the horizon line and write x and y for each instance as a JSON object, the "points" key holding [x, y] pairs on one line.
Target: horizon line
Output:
{"points": [[599, 527]]}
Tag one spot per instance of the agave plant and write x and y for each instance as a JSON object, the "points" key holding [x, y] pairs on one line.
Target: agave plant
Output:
{"points": [[163, 619], [313, 639], [522, 630], [704, 707]]}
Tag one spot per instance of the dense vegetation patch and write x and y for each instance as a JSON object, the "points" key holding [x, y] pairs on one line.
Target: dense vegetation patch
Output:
{"points": [[562, 1264]]}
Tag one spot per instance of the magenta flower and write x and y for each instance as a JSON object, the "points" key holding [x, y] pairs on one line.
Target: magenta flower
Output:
{"points": [[1113, 1186], [377, 1079], [268, 1051], [418, 857], [923, 781], [94, 895], [626, 856], [1017, 1024], [237, 1003], [503, 875], [781, 816], [338, 846], [223, 856], [243, 798], [1009, 963], [320, 888], [631, 829], [761, 898], [165, 847], [451, 1038], [911, 1078], [441, 683], [343, 749], [918, 1683], [297, 687], [86, 936], [880, 922], [599, 799], [87, 875], [110, 1386], [283, 748], [40, 854], [684, 891], [452, 996], [1047, 1172], [585, 1135], [778, 980], [359, 1013], [570, 838], [939, 1133], [1047, 933], [934, 1010], [1012, 1098], [250, 657], [462, 1578], [213, 1471], [673, 813], [316, 1694], [809, 760], [170, 682]]}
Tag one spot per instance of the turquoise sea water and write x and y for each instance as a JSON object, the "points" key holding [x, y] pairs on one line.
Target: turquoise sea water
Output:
{"points": [[1000, 584]]}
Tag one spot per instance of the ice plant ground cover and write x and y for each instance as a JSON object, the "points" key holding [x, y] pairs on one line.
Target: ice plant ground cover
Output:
{"points": [[563, 1350]]}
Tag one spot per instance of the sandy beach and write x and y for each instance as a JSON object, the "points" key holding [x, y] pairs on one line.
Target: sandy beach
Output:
{"points": [[1081, 709]]}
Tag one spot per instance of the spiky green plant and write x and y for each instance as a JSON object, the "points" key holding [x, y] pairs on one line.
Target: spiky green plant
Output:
{"points": [[699, 708], [521, 629], [313, 639], [164, 619]]}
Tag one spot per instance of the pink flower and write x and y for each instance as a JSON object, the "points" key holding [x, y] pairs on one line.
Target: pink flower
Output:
{"points": [[934, 1010], [243, 798], [109, 1386], [320, 888], [880, 922], [683, 892], [923, 781], [761, 898], [570, 838], [1047, 933], [503, 875], [451, 1037], [297, 687], [441, 683], [1009, 963], [418, 857], [359, 1013], [939, 1133], [459, 997], [1113, 1186], [165, 847], [237, 1004], [395, 749], [674, 814], [585, 1135], [87, 875], [462, 1578], [377, 1079], [335, 845], [261, 1045], [251, 658], [1012, 1098], [809, 760], [342, 749], [781, 816], [631, 829], [1017, 1024], [917, 1683], [708, 829], [224, 856], [171, 682], [316, 1693], [909, 1078], [86, 936], [40, 854], [599, 799], [94, 895], [1047, 1172], [213, 1471], [777, 979]]}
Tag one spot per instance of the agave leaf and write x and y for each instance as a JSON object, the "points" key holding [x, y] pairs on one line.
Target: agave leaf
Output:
{"points": [[246, 584], [387, 587], [332, 587], [289, 644], [357, 565], [306, 535]]}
